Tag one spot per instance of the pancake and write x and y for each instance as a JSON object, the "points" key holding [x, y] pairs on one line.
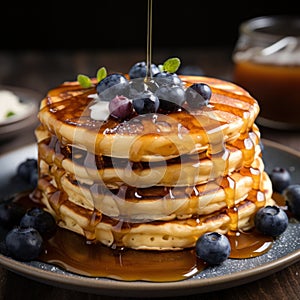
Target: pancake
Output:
{"points": [[174, 234], [154, 202], [182, 171], [156, 181], [65, 112]]}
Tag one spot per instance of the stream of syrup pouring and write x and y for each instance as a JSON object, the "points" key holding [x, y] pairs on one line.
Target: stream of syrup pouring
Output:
{"points": [[71, 252], [149, 41]]}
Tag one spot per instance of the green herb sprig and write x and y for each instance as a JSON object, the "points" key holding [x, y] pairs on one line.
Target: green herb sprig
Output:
{"points": [[171, 65], [86, 82]]}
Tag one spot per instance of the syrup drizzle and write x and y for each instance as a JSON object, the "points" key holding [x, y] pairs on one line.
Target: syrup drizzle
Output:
{"points": [[149, 41]]}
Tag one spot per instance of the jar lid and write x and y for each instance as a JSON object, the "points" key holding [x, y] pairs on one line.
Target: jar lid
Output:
{"points": [[273, 39], [273, 27]]}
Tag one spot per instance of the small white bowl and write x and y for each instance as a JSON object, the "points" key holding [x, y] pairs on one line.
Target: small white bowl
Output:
{"points": [[17, 124]]}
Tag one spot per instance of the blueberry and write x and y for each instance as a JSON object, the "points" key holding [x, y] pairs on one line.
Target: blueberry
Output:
{"points": [[139, 70], [198, 95], [111, 86], [213, 248], [39, 219], [24, 244], [26, 168], [167, 78], [10, 214], [292, 197], [139, 86], [146, 103], [271, 220], [171, 97], [120, 107], [33, 179], [3, 248], [280, 178]]}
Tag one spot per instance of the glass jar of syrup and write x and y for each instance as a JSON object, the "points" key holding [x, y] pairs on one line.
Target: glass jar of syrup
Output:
{"points": [[267, 64]]}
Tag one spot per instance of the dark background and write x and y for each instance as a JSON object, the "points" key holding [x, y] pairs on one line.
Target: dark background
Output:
{"points": [[53, 25]]}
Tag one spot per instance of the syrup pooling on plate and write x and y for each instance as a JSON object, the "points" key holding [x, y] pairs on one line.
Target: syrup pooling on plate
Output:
{"points": [[71, 252]]}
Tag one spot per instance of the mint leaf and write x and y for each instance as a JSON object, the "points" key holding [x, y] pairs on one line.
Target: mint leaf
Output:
{"points": [[84, 80], [10, 114], [171, 65], [101, 74]]}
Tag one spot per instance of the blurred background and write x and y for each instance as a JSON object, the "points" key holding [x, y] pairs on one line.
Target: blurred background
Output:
{"points": [[43, 44], [30, 33], [117, 24]]}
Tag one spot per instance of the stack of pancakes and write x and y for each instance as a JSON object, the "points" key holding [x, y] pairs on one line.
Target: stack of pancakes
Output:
{"points": [[157, 181]]}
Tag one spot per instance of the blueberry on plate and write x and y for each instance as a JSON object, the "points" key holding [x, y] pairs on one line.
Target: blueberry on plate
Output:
{"points": [[213, 248], [271, 220], [292, 198], [280, 178], [24, 244], [26, 168], [10, 214], [33, 179], [39, 219]]}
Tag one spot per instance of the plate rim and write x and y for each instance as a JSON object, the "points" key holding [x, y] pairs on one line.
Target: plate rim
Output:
{"points": [[281, 147], [108, 286], [115, 287]]}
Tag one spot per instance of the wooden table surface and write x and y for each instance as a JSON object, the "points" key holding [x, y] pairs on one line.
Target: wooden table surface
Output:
{"points": [[41, 71]]}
